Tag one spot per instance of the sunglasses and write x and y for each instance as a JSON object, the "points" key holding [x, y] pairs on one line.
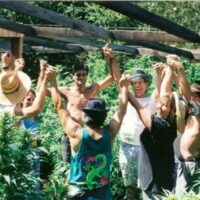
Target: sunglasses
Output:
{"points": [[79, 74]]}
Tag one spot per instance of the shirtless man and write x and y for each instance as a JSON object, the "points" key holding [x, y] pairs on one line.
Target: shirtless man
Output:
{"points": [[78, 94], [190, 140], [91, 146]]}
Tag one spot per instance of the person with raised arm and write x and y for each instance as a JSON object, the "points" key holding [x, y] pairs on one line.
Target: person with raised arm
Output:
{"points": [[189, 158], [132, 126], [91, 145]]}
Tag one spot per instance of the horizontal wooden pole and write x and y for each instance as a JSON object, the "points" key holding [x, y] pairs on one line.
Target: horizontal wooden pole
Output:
{"points": [[51, 44], [158, 36], [57, 18], [135, 12]]}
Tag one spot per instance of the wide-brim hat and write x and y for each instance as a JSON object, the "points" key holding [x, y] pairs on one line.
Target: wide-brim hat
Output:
{"points": [[180, 110], [13, 87], [96, 105], [141, 74]]}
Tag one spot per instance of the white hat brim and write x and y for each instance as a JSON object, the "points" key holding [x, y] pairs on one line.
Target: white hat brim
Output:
{"points": [[18, 95]]}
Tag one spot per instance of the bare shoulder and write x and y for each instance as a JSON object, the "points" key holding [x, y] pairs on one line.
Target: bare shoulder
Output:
{"points": [[64, 90], [92, 90]]}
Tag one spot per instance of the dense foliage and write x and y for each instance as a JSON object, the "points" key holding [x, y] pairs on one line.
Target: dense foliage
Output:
{"points": [[16, 153]]}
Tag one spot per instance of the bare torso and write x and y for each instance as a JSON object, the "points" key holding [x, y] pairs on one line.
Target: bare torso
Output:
{"points": [[77, 99], [190, 141]]}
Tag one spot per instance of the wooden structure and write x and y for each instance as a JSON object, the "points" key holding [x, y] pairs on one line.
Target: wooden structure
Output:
{"points": [[71, 35], [11, 40]]}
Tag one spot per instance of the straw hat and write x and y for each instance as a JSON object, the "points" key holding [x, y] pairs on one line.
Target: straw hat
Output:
{"points": [[180, 110], [13, 87]]}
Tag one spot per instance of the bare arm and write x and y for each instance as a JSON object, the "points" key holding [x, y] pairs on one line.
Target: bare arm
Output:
{"points": [[158, 67], [111, 60], [165, 88], [116, 121], [43, 67], [103, 84], [38, 103], [183, 84], [69, 125]]}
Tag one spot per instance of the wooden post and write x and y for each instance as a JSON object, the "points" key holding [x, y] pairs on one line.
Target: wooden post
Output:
{"points": [[17, 46], [16, 42]]}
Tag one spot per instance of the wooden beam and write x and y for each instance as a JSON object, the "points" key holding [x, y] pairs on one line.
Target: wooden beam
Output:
{"points": [[41, 49], [51, 44], [8, 33], [56, 18], [147, 17], [60, 33], [156, 46], [162, 47], [158, 36], [153, 36], [84, 42], [151, 52]]}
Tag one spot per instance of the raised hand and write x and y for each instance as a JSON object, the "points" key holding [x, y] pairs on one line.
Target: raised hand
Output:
{"points": [[125, 81], [7, 59], [43, 65], [51, 75], [173, 61], [108, 53]]}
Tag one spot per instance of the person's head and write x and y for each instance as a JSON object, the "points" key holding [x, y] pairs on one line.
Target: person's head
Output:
{"points": [[13, 87], [79, 73], [95, 113], [29, 98], [195, 91], [165, 106], [140, 82]]}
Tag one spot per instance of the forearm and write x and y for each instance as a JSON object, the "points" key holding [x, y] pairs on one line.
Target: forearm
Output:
{"points": [[165, 88], [116, 70], [123, 100], [183, 84], [40, 79]]}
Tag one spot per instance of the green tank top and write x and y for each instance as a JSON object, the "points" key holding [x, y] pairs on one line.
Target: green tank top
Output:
{"points": [[90, 166]]}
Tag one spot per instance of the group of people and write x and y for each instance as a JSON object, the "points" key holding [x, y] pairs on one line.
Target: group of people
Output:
{"points": [[150, 156]]}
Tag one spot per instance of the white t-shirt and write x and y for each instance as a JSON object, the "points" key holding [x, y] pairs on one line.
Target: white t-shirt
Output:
{"points": [[132, 126]]}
